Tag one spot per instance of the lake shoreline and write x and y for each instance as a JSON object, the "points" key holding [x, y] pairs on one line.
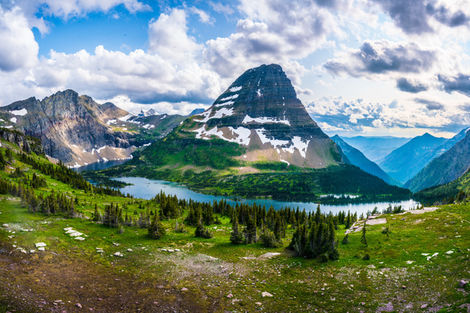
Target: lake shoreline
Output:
{"points": [[145, 188]]}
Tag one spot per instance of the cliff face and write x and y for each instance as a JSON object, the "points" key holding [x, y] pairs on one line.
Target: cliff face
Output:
{"points": [[261, 111], [72, 128]]}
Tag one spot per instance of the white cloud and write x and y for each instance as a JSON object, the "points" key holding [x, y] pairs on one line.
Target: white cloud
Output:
{"points": [[203, 16], [278, 31], [169, 72], [68, 8], [183, 107], [168, 37], [18, 47]]}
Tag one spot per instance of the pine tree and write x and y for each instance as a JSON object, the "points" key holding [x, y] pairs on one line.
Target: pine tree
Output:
{"points": [[155, 229], [363, 236], [236, 237], [201, 231], [250, 230]]}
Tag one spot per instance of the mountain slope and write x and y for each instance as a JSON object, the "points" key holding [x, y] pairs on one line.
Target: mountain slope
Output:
{"points": [[78, 131], [257, 139], [358, 159], [261, 111], [456, 190], [445, 168], [376, 148], [405, 162]]}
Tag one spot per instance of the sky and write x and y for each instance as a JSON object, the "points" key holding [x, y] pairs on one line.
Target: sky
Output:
{"points": [[361, 67]]}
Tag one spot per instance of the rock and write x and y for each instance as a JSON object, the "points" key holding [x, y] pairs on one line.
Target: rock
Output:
{"points": [[229, 296], [450, 252], [119, 254], [129, 250], [41, 249], [423, 306], [265, 294], [269, 255], [40, 244], [249, 258], [376, 221], [410, 262], [258, 303], [78, 305], [372, 266], [403, 287], [79, 238], [463, 283], [184, 289]]}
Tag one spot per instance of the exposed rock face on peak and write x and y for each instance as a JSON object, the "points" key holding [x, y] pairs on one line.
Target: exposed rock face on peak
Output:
{"points": [[78, 131], [72, 128], [261, 111]]}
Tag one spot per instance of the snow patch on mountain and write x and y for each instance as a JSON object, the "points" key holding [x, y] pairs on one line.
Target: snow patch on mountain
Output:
{"points": [[21, 112], [223, 112], [236, 89], [299, 144], [263, 120], [232, 97], [13, 120], [240, 135], [273, 142], [223, 104], [125, 118]]}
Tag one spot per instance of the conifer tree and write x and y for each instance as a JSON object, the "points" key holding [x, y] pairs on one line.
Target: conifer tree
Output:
{"points": [[363, 236], [235, 237], [156, 229]]}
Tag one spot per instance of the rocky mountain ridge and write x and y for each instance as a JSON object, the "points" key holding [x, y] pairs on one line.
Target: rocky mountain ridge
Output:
{"points": [[261, 112], [78, 131]]}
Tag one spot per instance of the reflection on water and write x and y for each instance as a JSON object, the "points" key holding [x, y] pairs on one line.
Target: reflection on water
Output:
{"points": [[146, 189]]}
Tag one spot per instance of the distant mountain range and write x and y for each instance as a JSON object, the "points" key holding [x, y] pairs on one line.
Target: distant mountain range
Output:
{"points": [[78, 131], [357, 158], [406, 161], [376, 148], [447, 166]]}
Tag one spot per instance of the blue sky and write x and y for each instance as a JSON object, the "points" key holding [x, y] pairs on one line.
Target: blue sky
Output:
{"points": [[369, 67]]}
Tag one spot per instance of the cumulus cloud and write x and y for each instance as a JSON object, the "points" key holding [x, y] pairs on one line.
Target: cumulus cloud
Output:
{"points": [[170, 71], [168, 37], [274, 31], [203, 16], [18, 47], [68, 8], [221, 8], [407, 85], [416, 17], [430, 104], [358, 115], [459, 83], [381, 57]]}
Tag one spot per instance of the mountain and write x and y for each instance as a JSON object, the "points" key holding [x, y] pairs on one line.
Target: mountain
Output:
{"points": [[406, 161], [261, 111], [377, 147], [358, 159], [456, 190], [77, 130], [256, 139], [447, 167]]}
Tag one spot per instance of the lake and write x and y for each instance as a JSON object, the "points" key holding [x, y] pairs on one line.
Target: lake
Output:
{"points": [[147, 188]]}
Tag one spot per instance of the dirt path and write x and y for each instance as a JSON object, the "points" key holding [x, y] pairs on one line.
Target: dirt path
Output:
{"points": [[52, 282]]}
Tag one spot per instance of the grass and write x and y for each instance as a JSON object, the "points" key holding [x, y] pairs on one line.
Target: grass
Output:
{"points": [[350, 283]]}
